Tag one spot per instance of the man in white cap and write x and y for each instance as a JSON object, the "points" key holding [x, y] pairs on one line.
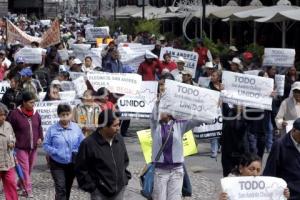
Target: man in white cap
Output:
{"points": [[209, 68], [149, 69], [76, 67], [177, 73], [289, 109], [236, 65], [187, 77]]}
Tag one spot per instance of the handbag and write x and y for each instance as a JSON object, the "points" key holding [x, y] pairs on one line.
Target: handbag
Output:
{"points": [[147, 177], [186, 186]]}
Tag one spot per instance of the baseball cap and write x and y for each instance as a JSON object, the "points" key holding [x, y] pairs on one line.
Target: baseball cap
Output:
{"points": [[296, 86], [77, 61], [27, 72], [247, 55]]}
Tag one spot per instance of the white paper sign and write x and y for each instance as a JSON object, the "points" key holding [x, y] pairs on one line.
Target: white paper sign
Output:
{"points": [[279, 84], [64, 54], [80, 50], [204, 81], [75, 75], [252, 72], [185, 101], [67, 95], [80, 86], [247, 90], [4, 85], [190, 57], [30, 55], [140, 105], [279, 57], [210, 130], [250, 187], [48, 111], [46, 22], [92, 33], [129, 84]]}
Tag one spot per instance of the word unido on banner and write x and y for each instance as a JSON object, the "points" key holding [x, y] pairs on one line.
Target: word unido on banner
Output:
{"points": [[279, 57], [247, 90], [184, 101], [250, 187]]}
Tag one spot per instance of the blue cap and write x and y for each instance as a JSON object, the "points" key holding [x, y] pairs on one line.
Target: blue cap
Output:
{"points": [[26, 72], [20, 60]]}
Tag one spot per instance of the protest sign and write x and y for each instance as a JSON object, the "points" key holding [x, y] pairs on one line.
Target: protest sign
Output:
{"points": [[121, 83], [185, 101], [253, 187], [210, 130], [247, 90], [80, 50], [145, 138], [190, 57], [52, 35], [279, 84], [204, 81], [4, 85], [30, 55], [48, 111], [80, 86], [75, 75], [92, 33], [64, 54], [279, 57], [140, 105], [67, 95], [46, 22], [252, 72]]}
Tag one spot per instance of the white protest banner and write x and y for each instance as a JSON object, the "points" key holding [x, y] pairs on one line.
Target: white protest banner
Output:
{"points": [[210, 130], [140, 105], [185, 101], [48, 111], [52, 35], [4, 85], [247, 90], [92, 33], [129, 84], [75, 75], [67, 95], [80, 50], [30, 55], [204, 81], [121, 38], [64, 54], [279, 84], [80, 86], [279, 57], [253, 187], [96, 57], [46, 22], [252, 72], [190, 57]]}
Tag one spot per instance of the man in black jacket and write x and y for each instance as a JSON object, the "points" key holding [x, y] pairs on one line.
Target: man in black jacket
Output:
{"points": [[102, 160]]}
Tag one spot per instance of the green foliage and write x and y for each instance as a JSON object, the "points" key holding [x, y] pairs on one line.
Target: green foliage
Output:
{"points": [[125, 24], [151, 26], [256, 50], [217, 49]]}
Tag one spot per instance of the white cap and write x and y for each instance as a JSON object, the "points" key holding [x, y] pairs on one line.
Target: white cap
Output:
{"points": [[180, 60], [149, 55], [296, 86], [237, 61], [55, 82], [209, 65], [233, 48], [77, 61]]}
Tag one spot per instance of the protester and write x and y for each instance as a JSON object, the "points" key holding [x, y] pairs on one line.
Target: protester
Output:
{"points": [[204, 56], [157, 48], [113, 64], [7, 144], [86, 113], [61, 143], [27, 126], [187, 77], [4, 64], [290, 77], [149, 69], [167, 63], [102, 99], [76, 65], [208, 69], [236, 65], [88, 65], [52, 93], [177, 73], [12, 97], [283, 160], [28, 83], [249, 165], [102, 160]]}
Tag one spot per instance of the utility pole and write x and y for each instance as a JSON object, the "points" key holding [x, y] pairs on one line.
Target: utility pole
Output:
{"points": [[115, 10], [99, 8], [203, 17], [143, 9]]}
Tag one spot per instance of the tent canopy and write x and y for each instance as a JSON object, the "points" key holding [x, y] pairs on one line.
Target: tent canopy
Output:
{"points": [[293, 15]]}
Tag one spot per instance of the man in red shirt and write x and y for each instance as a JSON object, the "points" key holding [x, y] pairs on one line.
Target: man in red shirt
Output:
{"points": [[204, 56], [167, 63], [150, 67]]}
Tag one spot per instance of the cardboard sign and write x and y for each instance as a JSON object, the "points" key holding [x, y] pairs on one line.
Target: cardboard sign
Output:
{"points": [[279, 57], [121, 83], [279, 84], [80, 50], [64, 54], [252, 72], [250, 187], [67, 95], [4, 85], [247, 90], [92, 33], [46, 22], [204, 81], [75, 75], [140, 105], [190, 57], [30, 55], [145, 138], [48, 111], [80, 86], [185, 101], [210, 130]]}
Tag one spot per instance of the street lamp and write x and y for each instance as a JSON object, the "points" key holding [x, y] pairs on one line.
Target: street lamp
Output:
{"points": [[143, 9]]}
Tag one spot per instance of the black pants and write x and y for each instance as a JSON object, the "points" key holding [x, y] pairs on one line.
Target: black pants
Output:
{"points": [[124, 127], [63, 176]]}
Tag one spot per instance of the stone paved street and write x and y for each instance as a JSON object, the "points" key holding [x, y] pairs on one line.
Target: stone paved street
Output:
{"points": [[204, 173]]}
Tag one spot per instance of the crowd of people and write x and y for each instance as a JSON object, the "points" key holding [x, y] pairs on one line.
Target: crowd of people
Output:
{"points": [[85, 143]]}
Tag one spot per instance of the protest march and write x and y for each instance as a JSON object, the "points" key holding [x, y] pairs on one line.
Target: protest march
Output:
{"points": [[74, 93]]}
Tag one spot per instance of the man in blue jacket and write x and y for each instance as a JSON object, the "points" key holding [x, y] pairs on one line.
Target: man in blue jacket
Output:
{"points": [[284, 160]]}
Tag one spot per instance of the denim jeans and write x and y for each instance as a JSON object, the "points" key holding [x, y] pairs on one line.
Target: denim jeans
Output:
{"points": [[168, 184], [257, 143], [96, 195], [269, 135], [214, 146], [63, 176], [198, 73]]}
